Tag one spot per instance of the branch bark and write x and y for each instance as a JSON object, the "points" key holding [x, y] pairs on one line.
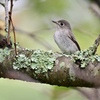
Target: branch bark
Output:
{"points": [[60, 70]]}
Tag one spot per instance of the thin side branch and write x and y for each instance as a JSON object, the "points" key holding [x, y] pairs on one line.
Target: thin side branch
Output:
{"points": [[9, 20], [2, 4], [13, 28], [9, 23], [6, 16]]}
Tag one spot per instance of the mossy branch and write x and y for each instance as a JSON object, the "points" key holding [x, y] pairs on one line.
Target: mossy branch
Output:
{"points": [[52, 68]]}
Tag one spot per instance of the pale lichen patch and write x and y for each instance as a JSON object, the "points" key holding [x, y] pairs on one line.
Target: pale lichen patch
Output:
{"points": [[3, 53], [62, 64], [39, 61]]}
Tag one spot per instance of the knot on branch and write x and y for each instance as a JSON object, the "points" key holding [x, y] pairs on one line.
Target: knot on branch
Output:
{"points": [[4, 43]]}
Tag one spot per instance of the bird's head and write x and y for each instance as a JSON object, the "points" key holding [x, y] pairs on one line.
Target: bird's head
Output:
{"points": [[62, 24]]}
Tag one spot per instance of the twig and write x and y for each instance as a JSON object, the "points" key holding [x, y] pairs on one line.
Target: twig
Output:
{"points": [[2, 4], [95, 45], [13, 28], [7, 21], [11, 22], [6, 16], [97, 41]]}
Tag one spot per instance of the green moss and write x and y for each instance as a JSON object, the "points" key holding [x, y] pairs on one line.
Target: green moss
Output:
{"points": [[86, 56], [39, 61], [3, 53]]}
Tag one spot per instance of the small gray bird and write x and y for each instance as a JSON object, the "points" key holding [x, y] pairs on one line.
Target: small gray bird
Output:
{"points": [[65, 38]]}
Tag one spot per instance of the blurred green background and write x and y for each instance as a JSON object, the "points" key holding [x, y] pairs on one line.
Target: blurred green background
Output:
{"points": [[35, 17]]}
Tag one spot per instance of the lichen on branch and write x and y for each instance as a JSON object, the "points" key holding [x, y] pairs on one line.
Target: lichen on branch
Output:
{"points": [[37, 60], [53, 68]]}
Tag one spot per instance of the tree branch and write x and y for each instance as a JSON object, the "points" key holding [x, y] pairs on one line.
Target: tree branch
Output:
{"points": [[52, 68], [64, 72]]}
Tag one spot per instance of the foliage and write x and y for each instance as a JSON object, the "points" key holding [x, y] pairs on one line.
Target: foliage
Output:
{"points": [[41, 6]]}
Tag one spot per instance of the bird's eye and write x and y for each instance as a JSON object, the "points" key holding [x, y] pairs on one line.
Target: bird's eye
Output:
{"points": [[61, 24]]}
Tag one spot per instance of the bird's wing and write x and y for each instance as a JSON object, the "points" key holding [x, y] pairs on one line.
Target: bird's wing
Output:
{"points": [[71, 36]]}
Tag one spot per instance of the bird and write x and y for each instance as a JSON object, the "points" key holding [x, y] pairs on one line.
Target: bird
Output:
{"points": [[64, 37]]}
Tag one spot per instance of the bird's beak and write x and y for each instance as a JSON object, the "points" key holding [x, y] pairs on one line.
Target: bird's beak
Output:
{"points": [[55, 22]]}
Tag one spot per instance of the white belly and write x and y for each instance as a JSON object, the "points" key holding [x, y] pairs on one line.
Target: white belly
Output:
{"points": [[65, 43]]}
